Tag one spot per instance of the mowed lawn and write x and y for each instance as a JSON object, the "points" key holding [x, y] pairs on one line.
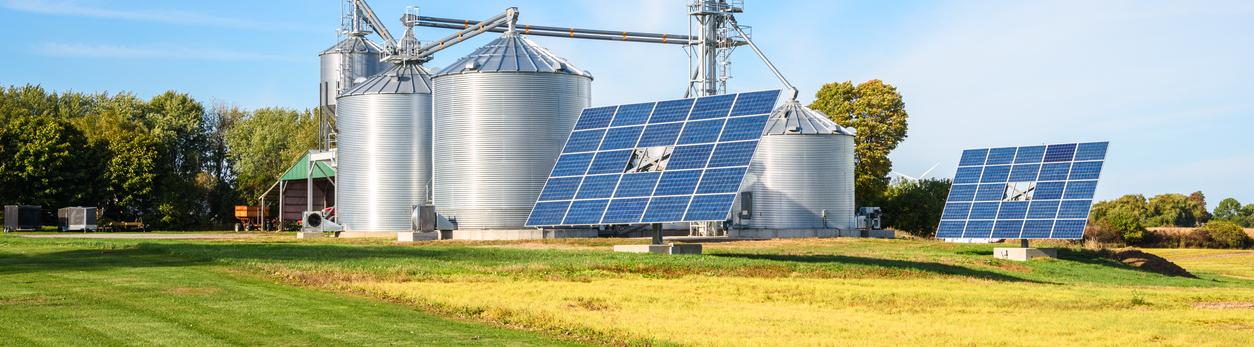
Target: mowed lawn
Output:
{"points": [[783, 292], [86, 293]]}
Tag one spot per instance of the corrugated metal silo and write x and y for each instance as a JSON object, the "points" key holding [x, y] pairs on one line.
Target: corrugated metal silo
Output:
{"points": [[384, 164], [352, 58], [802, 174], [502, 114]]}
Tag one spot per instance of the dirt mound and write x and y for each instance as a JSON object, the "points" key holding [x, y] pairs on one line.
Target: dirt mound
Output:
{"points": [[1149, 262]]}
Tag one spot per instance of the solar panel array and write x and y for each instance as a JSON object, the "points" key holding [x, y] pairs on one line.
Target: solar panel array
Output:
{"points": [[1032, 192], [658, 162]]}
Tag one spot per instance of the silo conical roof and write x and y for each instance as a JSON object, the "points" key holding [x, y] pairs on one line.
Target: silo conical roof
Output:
{"points": [[794, 119], [404, 78], [351, 44], [512, 53]]}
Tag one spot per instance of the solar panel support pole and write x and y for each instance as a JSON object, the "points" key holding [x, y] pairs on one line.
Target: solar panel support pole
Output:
{"points": [[657, 233], [1023, 243]]}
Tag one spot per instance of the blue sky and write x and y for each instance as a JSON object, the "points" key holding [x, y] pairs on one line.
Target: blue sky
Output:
{"points": [[1169, 83]]}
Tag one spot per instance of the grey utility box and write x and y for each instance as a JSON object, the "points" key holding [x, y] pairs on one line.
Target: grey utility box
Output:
{"points": [[76, 219], [22, 217]]}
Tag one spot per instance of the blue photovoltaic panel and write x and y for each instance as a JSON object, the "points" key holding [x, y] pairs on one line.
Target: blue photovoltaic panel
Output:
{"points": [[1030, 192], [665, 162]]}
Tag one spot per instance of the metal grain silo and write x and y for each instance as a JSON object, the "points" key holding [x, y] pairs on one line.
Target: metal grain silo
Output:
{"points": [[384, 164], [801, 177], [502, 114], [341, 65]]}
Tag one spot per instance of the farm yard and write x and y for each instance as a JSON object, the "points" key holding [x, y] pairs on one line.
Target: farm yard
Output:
{"points": [[271, 289]]}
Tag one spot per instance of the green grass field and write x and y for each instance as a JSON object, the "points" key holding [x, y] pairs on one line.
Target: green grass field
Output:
{"points": [[277, 290]]}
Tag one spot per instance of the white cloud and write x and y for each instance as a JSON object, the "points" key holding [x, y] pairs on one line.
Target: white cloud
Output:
{"points": [[76, 9], [85, 50]]}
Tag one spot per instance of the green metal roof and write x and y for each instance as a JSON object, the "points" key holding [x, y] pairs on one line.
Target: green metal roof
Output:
{"points": [[299, 170]]}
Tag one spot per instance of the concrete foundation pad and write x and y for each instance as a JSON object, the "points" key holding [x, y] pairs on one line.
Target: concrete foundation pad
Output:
{"points": [[313, 235], [520, 234], [412, 236], [1024, 254], [365, 234], [806, 233], [670, 248]]}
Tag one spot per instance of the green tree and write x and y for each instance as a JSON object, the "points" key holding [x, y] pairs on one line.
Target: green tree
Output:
{"points": [[1197, 203], [1170, 210], [1122, 219], [1223, 234], [265, 143], [878, 113], [176, 121], [915, 206], [1229, 209], [46, 162], [1248, 212]]}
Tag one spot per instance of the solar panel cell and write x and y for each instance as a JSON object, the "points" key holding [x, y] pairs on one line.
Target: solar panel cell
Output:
{"points": [[1049, 190], [710, 207], [666, 209], [548, 213], [625, 211], [1043, 209], [1001, 156], [1032, 154], [712, 107], [585, 212], [962, 192], [1068, 229], [755, 103], [671, 111], [1086, 170], [968, 175], [1054, 172], [743, 128], [984, 210], [994, 174], [1074, 209], [1013, 210], [597, 187], [609, 162], [956, 210], [562, 188], [1024, 173], [1056, 153], [1091, 151], [1007, 229], [637, 184], [1080, 190], [584, 141], [620, 138], [678, 183], [950, 229], [634, 114], [572, 164], [690, 157], [973, 157], [598, 117], [991, 192], [721, 181], [979, 229], [1037, 229], [732, 154], [660, 135], [701, 132]]}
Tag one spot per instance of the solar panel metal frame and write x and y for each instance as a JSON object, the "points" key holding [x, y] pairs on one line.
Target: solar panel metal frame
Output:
{"points": [[1053, 204], [709, 205]]}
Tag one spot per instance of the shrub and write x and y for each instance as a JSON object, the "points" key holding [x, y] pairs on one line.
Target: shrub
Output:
{"points": [[1223, 234], [1128, 223], [1102, 232]]}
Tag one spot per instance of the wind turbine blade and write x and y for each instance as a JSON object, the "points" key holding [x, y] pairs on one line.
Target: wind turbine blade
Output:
{"points": [[929, 170]]}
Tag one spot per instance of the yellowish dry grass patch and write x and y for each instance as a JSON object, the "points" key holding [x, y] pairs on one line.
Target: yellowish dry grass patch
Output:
{"points": [[1227, 262], [701, 310]]}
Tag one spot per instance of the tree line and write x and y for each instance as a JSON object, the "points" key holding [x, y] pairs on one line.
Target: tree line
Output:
{"points": [[169, 160]]}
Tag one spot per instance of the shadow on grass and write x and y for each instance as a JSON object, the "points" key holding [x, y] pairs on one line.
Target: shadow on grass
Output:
{"points": [[936, 268], [89, 260]]}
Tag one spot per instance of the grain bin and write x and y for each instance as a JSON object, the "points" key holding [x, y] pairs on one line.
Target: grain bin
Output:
{"points": [[502, 114], [801, 177], [344, 63], [384, 164]]}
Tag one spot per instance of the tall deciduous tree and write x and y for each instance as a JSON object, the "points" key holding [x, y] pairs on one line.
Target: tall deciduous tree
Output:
{"points": [[915, 206], [1197, 203], [878, 113], [46, 162], [265, 143], [1171, 210], [1228, 209]]}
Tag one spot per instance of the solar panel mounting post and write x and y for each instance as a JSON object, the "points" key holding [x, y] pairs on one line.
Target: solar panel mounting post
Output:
{"points": [[657, 233]]}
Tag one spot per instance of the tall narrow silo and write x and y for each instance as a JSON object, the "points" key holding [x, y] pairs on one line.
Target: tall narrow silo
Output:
{"points": [[341, 65], [502, 114], [801, 177], [384, 164]]}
